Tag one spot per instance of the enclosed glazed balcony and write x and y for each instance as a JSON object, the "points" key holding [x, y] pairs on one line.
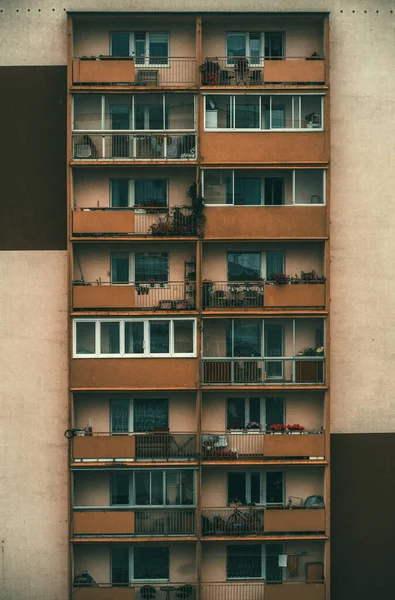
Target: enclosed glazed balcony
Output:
{"points": [[134, 571], [254, 50], [149, 127], [136, 51], [142, 348], [264, 203], [263, 352], [141, 427], [140, 277], [252, 571], [254, 276]]}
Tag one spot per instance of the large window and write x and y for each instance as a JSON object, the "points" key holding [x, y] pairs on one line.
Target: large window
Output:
{"points": [[139, 414], [139, 563], [264, 412], [148, 48], [256, 488], [254, 561], [139, 267], [134, 337], [153, 488], [138, 192], [264, 112], [254, 45]]}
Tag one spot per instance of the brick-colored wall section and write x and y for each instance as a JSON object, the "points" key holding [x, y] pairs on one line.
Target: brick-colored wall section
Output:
{"points": [[33, 213], [362, 515]]}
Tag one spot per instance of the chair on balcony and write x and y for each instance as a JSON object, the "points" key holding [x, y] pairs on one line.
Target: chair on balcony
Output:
{"points": [[242, 70]]}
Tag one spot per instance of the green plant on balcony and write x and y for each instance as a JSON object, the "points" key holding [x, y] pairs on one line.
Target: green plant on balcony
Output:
{"points": [[281, 278], [311, 351]]}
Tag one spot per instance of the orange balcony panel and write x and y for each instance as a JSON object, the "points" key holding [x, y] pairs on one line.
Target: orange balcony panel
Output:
{"points": [[103, 221], [103, 522], [262, 147], [295, 520], [259, 222], [103, 71], [104, 447], [134, 373], [103, 593], [295, 591], [298, 296], [300, 444], [294, 71], [100, 296]]}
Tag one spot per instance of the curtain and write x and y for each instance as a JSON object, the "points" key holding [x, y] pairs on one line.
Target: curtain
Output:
{"points": [[150, 414], [158, 47], [274, 263], [151, 267], [150, 192], [119, 193], [120, 415]]}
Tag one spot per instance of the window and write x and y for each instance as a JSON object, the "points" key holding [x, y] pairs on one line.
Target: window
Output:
{"points": [[138, 192], [244, 266], [120, 267], [244, 338], [254, 45], [148, 48], [170, 487], [139, 414], [244, 561], [264, 411], [256, 488], [134, 337], [262, 112], [139, 563], [151, 267]]}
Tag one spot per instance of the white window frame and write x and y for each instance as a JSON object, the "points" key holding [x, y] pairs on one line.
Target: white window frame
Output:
{"points": [[131, 413], [293, 189], [131, 190], [131, 566], [146, 57], [296, 107], [146, 353], [248, 47], [263, 564]]}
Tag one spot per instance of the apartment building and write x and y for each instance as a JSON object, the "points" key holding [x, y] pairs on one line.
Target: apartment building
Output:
{"points": [[181, 203], [199, 241]]}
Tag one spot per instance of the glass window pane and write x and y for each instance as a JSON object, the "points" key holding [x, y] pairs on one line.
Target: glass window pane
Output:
{"points": [[255, 410], [119, 488], [248, 191], [235, 45], [274, 412], [237, 488], [309, 186], [173, 487], [159, 337], [244, 561], [247, 112], [183, 337], [120, 415], [274, 488], [255, 491], [139, 47], [244, 266], [87, 115], [85, 334], [255, 48], [180, 111], [151, 267], [218, 187], [273, 45], [156, 488], [134, 338], [247, 338], [274, 191], [109, 338], [158, 48], [150, 414], [235, 413], [187, 487], [218, 112], [311, 112], [274, 263], [120, 43], [120, 116], [150, 192], [281, 112], [149, 112], [119, 193], [151, 562], [120, 267], [142, 487], [119, 565]]}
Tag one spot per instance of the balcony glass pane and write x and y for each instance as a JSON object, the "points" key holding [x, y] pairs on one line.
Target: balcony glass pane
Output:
{"points": [[187, 487], [218, 187], [120, 43], [139, 47], [311, 112], [134, 338], [183, 337], [109, 338], [274, 191], [120, 488], [218, 112], [281, 112], [119, 193], [247, 112], [248, 191], [274, 43], [309, 186], [159, 337], [180, 111], [149, 112], [236, 45], [247, 338], [158, 48], [85, 333], [87, 111]]}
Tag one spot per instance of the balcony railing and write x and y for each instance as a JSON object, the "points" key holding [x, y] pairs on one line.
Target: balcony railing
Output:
{"points": [[263, 371], [255, 295], [126, 146], [135, 446], [258, 70], [165, 522], [257, 445], [139, 221], [276, 590], [95, 590], [112, 70], [137, 296]]}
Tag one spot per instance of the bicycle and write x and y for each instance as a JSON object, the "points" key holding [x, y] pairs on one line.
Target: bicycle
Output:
{"points": [[244, 522], [71, 433]]}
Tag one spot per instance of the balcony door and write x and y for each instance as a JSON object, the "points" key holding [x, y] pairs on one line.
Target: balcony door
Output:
{"points": [[120, 121], [261, 488], [274, 346], [139, 415], [274, 573]]}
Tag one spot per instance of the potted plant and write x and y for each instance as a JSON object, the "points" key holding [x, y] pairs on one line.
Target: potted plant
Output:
{"points": [[281, 278], [295, 428], [278, 428], [253, 425]]}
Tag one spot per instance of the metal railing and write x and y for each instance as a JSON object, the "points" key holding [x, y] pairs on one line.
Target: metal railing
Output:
{"points": [[106, 145], [141, 591], [244, 71], [142, 296], [263, 371], [165, 521], [243, 521], [171, 72], [233, 590]]}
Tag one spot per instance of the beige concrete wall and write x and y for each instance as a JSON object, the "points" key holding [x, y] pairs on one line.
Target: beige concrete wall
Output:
{"points": [[182, 410], [91, 188], [33, 417]]}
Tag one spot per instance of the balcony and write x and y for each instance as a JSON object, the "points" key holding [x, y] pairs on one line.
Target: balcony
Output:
{"points": [[134, 374], [255, 445], [288, 590], [144, 447], [255, 371], [144, 523], [164, 591], [125, 146], [260, 522]]}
